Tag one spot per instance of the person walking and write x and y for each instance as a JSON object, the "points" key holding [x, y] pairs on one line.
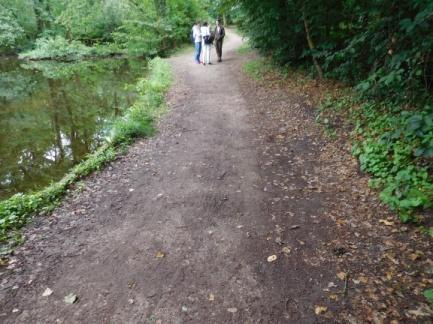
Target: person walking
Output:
{"points": [[206, 43], [196, 35], [220, 33]]}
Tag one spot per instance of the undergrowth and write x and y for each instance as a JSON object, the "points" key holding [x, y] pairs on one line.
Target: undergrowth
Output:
{"points": [[139, 120], [395, 146]]}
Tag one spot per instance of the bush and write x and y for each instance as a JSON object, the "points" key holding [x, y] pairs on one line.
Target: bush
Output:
{"points": [[11, 33], [56, 47], [61, 49]]}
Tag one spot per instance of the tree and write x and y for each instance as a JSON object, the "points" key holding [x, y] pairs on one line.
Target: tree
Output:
{"points": [[11, 33]]}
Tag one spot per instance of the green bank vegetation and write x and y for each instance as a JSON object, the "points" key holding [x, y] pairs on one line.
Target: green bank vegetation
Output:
{"points": [[138, 121], [69, 30], [382, 51]]}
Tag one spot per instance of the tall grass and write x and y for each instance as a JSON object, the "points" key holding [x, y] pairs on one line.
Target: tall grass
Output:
{"points": [[139, 120]]}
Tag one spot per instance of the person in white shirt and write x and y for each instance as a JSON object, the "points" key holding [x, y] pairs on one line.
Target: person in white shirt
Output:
{"points": [[206, 43], [196, 35]]}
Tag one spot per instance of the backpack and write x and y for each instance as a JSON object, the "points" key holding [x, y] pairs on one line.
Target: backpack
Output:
{"points": [[208, 40]]}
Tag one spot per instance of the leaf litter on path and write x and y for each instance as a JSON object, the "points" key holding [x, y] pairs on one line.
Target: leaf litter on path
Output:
{"points": [[70, 299], [386, 263], [47, 292], [272, 258]]}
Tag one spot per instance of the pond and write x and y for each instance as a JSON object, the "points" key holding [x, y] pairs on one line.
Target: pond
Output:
{"points": [[53, 114]]}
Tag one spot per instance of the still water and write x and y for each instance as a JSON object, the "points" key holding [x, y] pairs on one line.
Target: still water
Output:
{"points": [[53, 114]]}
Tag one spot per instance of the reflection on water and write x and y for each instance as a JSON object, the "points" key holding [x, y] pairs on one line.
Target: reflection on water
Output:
{"points": [[52, 115]]}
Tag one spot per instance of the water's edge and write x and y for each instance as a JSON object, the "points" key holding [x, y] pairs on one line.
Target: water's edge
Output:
{"points": [[138, 121]]}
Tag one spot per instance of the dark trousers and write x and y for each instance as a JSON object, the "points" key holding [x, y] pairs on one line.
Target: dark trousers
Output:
{"points": [[219, 48]]}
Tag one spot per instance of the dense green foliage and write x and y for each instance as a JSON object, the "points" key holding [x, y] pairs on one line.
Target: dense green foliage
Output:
{"points": [[383, 48], [71, 29], [138, 121], [10, 31]]}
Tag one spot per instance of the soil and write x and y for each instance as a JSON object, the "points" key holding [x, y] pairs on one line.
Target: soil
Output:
{"points": [[238, 211]]}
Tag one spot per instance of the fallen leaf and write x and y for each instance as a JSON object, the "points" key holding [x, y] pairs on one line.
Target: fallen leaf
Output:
{"points": [[47, 292], [286, 250], [272, 258], [320, 309], [332, 285], [294, 227], [70, 299], [341, 275], [386, 222], [211, 297], [415, 256], [184, 308], [363, 279], [333, 297], [421, 311], [160, 255], [232, 310]]}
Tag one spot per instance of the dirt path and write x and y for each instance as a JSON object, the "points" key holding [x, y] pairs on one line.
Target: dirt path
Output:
{"points": [[179, 230]]}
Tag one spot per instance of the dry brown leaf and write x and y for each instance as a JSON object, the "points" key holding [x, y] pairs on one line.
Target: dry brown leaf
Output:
{"points": [[333, 297], [341, 275], [286, 250], [272, 258], [386, 222], [160, 255], [320, 309]]}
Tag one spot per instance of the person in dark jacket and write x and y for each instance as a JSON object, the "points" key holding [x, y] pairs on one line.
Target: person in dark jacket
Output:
{"points": [[220, 33]]}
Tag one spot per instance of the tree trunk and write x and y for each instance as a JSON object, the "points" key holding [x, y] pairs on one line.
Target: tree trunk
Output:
{"points": [[311, 45]]}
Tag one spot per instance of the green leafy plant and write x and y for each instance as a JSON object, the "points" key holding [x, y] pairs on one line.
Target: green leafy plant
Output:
{"points": [[392, 145], [429, 295], [11, 33]]}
